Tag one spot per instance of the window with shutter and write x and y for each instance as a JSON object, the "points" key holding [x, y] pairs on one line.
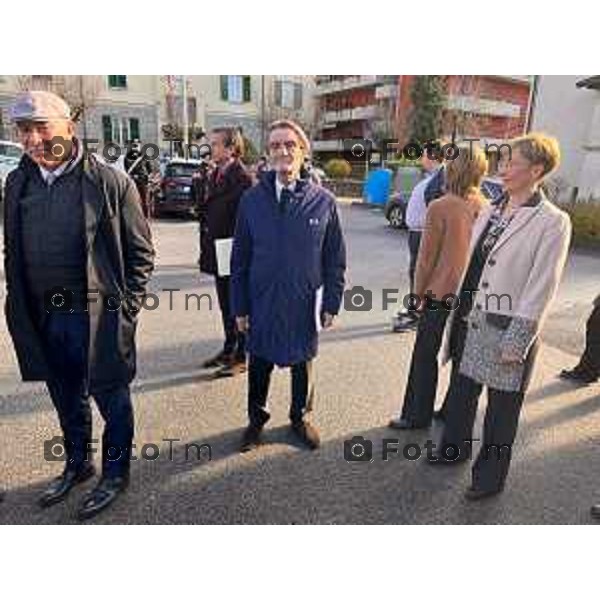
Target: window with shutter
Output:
{"points": [[117, 81], [134, 128], [107, 129], [224, 87], [278, 92], [297, 96], [247, 90]]}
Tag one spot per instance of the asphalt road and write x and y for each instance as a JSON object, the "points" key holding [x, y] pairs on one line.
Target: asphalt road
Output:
{"points": [[360, 377]]}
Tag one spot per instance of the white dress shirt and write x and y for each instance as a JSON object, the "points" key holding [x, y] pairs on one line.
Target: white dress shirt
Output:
{"points": [[279, 187], [417, 209]]}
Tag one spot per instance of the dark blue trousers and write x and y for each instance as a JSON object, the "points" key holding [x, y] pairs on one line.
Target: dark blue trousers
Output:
{"points": [[66, 337], [259, 379]]}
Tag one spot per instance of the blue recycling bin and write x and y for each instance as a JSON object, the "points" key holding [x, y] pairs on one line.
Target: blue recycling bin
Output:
{"points": [[377, 186]]}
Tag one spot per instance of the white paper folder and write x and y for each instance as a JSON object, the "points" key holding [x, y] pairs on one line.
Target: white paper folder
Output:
{"points": [[223, 249]]}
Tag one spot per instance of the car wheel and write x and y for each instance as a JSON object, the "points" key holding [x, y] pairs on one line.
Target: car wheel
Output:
{"points": [[396, 217]]}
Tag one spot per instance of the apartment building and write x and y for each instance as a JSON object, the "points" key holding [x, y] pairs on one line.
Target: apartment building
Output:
{"points": [[491, 108]]}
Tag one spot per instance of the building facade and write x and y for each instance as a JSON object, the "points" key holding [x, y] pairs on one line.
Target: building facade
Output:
{"points": [[568, 107], [490, 108], [353, 106], [118, 108]]}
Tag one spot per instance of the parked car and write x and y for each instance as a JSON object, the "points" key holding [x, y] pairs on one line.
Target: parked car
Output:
{"points": [[395, 209], [10, 155], [175, 194]]}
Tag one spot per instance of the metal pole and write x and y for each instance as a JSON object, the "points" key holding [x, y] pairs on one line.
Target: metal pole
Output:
{"points": [[186, 136], [83, 107], [531, 103]]}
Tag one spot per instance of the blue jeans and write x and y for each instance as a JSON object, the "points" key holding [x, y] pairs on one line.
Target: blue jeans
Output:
{"points": [[66, 338]]}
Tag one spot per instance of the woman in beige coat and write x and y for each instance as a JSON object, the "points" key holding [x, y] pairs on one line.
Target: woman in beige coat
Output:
{"points": [[518, 252], [443, 256]]}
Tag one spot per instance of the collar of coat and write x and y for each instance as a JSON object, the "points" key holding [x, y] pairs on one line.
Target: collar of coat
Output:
{"points": [[536, 203], [268, 182]]}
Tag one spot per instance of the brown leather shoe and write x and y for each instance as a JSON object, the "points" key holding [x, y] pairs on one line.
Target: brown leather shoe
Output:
{"points": [[234, 366], [219, 360]]}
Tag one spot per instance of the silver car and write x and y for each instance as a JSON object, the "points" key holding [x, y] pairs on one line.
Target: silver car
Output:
{"points": [[10, 155]]}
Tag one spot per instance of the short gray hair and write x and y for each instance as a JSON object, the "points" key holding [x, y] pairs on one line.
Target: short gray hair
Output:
{"points": [[289, 124]]}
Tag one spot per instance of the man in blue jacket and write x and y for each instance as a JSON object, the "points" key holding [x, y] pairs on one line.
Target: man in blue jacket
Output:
{"points": [[288, 266]]}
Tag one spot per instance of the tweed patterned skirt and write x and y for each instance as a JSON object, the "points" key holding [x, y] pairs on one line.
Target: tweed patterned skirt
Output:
{"points": [[487, 334]]}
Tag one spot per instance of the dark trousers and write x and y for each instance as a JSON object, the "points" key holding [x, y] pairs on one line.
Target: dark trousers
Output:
{"points": [[66, 340], [414, 241], [235, 342], [500, 423], [590, 360], [259, 378], [419, 397]]}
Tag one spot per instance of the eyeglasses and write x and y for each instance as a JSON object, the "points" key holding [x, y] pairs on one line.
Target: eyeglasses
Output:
{"points": [[290, 146]]}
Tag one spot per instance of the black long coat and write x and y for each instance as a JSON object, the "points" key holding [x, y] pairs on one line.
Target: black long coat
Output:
{"points": [[120, 260], [219, 213]]}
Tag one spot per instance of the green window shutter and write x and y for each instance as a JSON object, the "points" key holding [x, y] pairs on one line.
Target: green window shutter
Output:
{"points": [[247, 92], [297, 96], [106, 129], [134, 129], [117, 81], [224, 94], [278, 92]]}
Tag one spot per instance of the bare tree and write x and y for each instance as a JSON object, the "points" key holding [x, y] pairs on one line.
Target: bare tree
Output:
{"points": [[80, 92]]}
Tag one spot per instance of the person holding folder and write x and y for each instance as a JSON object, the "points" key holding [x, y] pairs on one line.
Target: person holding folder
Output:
{"points": [[224, 188], [287, 275]]}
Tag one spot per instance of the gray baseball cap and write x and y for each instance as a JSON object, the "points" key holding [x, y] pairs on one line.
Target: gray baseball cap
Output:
{"points": [[39, 106]]}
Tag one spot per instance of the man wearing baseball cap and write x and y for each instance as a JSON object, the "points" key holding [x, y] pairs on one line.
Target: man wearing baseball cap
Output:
{"points": [[78, 257]]}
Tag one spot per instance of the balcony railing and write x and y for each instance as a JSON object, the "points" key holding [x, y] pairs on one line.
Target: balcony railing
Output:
{"points": [[483, 106], [386, 91], [351, 114], [347, 84], [327, 145]]}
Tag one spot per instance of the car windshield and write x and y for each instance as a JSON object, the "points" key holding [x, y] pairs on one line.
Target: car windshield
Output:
{"points": [[10, 151], [180, 170]]}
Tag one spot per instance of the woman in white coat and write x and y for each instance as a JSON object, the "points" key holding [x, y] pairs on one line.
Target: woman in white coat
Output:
{"points": [[518, 252]]}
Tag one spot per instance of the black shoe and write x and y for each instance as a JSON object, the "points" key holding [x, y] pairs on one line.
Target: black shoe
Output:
{"points": [[439, 415], [473, 494], [307, 434], [220, 360], [578, 376], [405, 321], [1, 496], [595, 511], [405, 424], [251, 438], [235, 366], [102, 496], [61, 486]]}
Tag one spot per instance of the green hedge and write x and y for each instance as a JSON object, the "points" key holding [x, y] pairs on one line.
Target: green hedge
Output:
{"points": [[585, 217], [338, 168]]}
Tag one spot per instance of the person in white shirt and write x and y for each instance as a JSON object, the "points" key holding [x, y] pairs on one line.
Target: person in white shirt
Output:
{"points": [[415, 222]]}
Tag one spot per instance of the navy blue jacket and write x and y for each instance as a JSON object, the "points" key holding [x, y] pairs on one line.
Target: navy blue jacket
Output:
{"points": [[436, 187], [279, 262]]}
